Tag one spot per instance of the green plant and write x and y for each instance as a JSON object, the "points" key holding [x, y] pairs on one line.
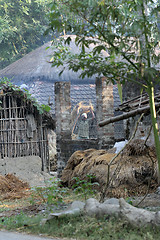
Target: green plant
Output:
{"points": [[85, 187], [45, 107], [79, 227], [22, 24], [129, 200], [24, 93], [117, 39], [52, 194]]}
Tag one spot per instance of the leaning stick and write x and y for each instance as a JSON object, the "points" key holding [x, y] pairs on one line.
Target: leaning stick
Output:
{"points": [[111, 162]]}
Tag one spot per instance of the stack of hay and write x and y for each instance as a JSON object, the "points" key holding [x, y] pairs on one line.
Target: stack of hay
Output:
{"points": [[130, 172]]}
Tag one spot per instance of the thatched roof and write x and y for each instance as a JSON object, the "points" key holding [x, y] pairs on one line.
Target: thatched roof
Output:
{"points": [[39, 77], [36, 66], [36, 74]]}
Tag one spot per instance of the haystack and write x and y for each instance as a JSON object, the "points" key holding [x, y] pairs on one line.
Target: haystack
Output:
{"points": [[12, 187], [129, 174]]}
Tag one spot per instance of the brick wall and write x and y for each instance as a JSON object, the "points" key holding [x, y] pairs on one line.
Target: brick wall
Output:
{"points": [[105, 109], [119, 132], [63, 122]]}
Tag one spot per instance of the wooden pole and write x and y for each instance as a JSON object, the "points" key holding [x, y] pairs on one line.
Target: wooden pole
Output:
{"points": [[127, 115], [5, 126], [10, 130]]}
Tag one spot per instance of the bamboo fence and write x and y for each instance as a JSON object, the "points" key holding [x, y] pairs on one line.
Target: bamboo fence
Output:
{"points": [[13, 130]]}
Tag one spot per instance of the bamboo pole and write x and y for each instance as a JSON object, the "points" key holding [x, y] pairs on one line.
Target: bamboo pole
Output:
{"points": [[47, 150], [127, 115], [9, 130], [24, 134], [8, 119], [44, 148], [41, 139], [25, 147], [36, 144], [144, 99], [4, 125], [11, 127], [15, 130], [16, 127], [1, 136], [20, 133]]}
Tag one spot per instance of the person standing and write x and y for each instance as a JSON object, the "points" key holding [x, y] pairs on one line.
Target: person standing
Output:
{"points": [[83, 128]]}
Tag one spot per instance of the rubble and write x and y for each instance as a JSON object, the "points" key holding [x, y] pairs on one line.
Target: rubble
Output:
{"points": [[118, 208]]}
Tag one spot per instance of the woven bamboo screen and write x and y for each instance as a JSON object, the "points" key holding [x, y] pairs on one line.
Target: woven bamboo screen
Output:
{"points": [[14, 127]]}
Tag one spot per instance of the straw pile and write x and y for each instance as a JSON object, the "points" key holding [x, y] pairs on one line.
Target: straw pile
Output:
{"points": [[130, 172], [12, 188]]}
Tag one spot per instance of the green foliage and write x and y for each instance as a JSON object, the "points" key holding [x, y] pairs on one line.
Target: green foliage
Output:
{"points": [[22, 24], [45, 107], [119, 40], [5, 82], [80, 227], [52, 194], [85, 187], [129, 200], [123, 36]]}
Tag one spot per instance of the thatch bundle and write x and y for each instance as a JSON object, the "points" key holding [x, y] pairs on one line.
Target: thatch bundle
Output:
{"points": [[4, 186], [129, 174], [12, 187], [137, 148]]}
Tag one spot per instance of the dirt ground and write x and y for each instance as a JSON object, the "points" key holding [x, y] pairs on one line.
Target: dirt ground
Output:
{"points": [[19, 175], [134, 179], [27, 169]]}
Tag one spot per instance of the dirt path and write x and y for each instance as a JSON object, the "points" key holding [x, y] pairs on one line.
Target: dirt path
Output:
{"points": [[5, 235]]}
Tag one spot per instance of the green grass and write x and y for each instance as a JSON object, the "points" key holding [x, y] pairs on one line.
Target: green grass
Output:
{"points": [[6, 205], [80, 227], [76, 227]]}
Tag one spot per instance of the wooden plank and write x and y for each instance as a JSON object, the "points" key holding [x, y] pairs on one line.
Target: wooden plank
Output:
{"points": [[137, 102]]}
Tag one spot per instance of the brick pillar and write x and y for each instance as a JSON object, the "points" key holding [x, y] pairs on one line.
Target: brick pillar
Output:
{"points": [[63, 122], [105, 109]]}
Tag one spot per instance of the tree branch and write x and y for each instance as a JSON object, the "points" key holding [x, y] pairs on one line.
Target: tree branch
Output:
{"points": [[104, 37]]}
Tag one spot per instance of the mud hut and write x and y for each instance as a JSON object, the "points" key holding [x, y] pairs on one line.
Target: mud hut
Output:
{"points": [[23, 126]]}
